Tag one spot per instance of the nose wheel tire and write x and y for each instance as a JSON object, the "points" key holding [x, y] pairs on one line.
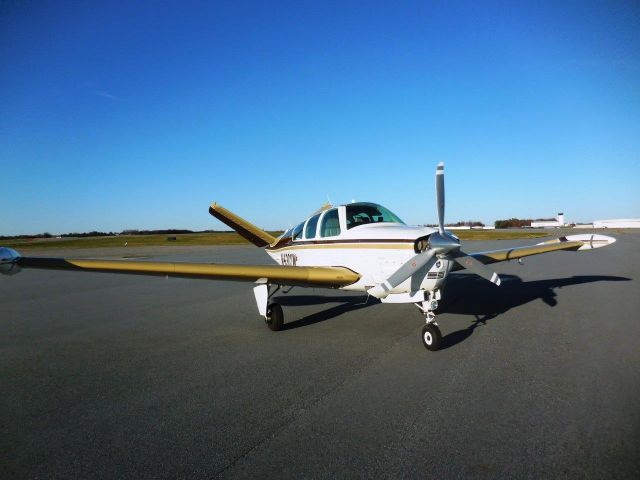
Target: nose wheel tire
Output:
{"points": [[275, 317], [431, 337]]}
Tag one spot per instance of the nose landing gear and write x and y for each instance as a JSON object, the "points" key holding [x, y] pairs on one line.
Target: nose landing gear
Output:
{"points": [[431, 336]]}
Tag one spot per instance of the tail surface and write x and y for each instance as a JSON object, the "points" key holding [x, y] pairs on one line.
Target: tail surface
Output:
{"points": [[255, 235]]}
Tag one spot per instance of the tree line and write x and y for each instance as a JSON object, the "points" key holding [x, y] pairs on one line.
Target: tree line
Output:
{"points": [[519, 222], [464, 223], [513, 223], [93, 233]]}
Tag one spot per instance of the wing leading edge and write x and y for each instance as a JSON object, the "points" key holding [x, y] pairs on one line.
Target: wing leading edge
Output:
{"points": [[274, 274], [571, 243], [246, 229]]}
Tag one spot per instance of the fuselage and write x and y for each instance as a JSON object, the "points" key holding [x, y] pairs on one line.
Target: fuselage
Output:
{"points": [[363, 237]]}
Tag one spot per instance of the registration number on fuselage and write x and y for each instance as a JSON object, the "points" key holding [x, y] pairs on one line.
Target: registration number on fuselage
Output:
{"points": [[290, 259]]}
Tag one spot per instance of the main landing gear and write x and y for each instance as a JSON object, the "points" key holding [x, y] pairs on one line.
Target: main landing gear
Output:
{"points": [[274, 317], [272, 312], [431, 336]]}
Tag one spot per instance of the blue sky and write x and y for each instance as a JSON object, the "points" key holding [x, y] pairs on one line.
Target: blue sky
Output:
{"points": [[121, 115]]}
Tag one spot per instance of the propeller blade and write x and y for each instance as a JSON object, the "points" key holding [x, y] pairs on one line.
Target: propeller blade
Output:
{"points": [[440, 196], [477, 267], [405, 271]]}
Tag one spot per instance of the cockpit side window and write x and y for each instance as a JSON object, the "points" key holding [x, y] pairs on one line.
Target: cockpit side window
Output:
{"points": [[362, 213], [297, 232], [310, 230], [330, 226]]}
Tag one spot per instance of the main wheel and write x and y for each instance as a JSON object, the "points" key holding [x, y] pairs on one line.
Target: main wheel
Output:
{"points": [[275, 317], [431, 337]]}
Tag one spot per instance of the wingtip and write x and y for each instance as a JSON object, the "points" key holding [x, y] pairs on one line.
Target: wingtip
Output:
{"points": [[591, 241], [214, 207]]}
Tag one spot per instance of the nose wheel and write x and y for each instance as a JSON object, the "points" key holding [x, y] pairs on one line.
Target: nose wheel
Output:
{"points": [[431, 336]]}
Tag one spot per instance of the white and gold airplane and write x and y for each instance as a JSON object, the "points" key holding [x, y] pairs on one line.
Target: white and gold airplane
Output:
{"points": [[360, 247]]}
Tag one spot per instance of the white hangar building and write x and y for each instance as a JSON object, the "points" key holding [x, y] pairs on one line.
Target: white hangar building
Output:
{"points": [[617, 223], [558, 222]]}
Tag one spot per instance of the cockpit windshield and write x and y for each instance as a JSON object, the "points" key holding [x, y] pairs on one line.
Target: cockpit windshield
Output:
{"points": [[362, 213]]}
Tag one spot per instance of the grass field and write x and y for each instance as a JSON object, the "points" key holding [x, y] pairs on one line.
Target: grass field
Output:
{"points": [[187, 239], [218, 238]]}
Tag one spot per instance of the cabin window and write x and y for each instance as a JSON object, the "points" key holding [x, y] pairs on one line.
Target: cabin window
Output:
{"points": [[330, 226], [297, 232], [310, 230], [363, 213]]}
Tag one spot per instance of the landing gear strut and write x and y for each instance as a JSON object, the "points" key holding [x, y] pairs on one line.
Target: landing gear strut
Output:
{"points": [[431, 336]]}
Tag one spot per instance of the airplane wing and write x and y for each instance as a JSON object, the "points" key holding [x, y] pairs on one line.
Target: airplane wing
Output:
{"points": [[571, 242], [11, 262], [246, 229]]}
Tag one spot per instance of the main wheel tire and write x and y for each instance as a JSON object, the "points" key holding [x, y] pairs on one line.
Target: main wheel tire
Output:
{"points": [[431, 337], [275, 317]]}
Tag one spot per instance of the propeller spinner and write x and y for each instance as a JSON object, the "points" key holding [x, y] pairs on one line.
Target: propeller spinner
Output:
{"points": [[440, 245]]}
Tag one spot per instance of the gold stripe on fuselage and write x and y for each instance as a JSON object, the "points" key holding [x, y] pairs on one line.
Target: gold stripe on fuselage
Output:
{"points": [[361, 245]]}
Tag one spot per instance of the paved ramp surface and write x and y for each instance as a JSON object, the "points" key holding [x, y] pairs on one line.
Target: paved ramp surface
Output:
{"points": [[118, 376]]}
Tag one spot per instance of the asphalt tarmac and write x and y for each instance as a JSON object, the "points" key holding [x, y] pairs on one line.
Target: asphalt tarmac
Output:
{"points": [[119, 376]]}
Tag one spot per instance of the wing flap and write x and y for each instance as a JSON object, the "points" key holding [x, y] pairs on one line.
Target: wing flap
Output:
{"points": [[276, 274]]}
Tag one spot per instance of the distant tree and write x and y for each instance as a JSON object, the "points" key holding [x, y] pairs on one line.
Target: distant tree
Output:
{"points": [[93, 233], [513, 223], [466, 223], [170, 231]]}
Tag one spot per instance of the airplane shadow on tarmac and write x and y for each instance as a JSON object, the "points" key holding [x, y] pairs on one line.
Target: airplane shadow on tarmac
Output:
{"points": [[348, 303], [467, 294]]}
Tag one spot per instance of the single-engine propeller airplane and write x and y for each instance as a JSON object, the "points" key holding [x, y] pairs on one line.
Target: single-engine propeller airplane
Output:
{"points": [[360, 247]]}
